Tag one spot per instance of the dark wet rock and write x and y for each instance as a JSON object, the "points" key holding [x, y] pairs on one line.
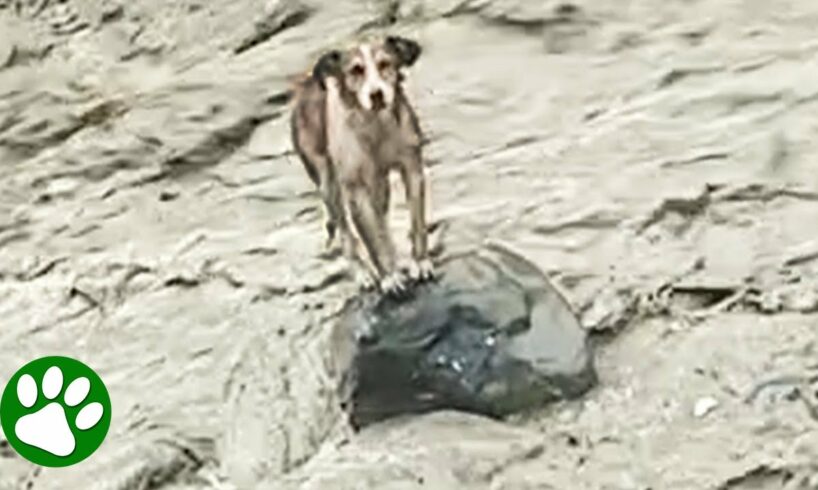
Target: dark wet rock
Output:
{"points": [[491, 336]]}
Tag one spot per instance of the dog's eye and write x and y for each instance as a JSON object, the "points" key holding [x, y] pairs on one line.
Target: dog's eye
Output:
{"points": [[357, 70], [384, 65]]}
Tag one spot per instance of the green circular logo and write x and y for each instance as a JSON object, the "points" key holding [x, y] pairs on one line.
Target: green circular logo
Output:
{"points": [[55, 411]]}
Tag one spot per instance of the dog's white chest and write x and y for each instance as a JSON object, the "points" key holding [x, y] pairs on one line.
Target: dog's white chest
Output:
{"points": [[353, 139]]}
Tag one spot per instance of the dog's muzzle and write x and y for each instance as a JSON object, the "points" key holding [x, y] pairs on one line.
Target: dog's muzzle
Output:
{"points": [[377, 100]]}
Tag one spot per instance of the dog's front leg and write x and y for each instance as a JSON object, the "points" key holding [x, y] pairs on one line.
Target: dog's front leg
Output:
{"points": [[414, 182], [363, 271], [371, 227]]}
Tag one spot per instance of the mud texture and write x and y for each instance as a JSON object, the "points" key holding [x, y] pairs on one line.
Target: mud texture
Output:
{"points": [[656, 159]]}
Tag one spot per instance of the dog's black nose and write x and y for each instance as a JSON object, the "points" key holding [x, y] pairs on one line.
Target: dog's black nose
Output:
{"points": [[378, 101]]}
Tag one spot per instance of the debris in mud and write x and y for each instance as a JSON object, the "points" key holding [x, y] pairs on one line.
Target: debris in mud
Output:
{"points": [[704, 406], [492, 336], [762, 476], [686, 206]]}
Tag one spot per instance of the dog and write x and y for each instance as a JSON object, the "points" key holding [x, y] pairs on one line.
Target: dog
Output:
{"points": [[352, 124]]}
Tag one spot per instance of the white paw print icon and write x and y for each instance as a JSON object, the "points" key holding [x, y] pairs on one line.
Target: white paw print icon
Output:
{"points": [[48, 428]]}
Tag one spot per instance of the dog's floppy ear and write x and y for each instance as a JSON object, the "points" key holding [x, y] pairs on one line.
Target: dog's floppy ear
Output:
{"points": [[327, 65], [407, 50]]}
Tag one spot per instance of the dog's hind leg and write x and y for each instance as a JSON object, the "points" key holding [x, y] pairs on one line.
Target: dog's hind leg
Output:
{"points": [[319, 168], [331, 203], [309, 142]]}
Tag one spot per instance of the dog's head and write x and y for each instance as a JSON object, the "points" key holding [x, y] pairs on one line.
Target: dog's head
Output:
{"points": [[368, 74]]}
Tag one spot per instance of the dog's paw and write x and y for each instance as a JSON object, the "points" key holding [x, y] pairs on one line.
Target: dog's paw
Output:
{"points": [[393, 284], [365, 281], [329, 244], [421, 270], [331, 250]]}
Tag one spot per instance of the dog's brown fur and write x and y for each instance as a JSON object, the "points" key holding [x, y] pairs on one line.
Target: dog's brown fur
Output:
{"points": [[351, 125]]}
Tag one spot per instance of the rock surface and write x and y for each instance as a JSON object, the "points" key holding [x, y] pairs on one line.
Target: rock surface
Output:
{"points": [[656, 159], [490, 336]]}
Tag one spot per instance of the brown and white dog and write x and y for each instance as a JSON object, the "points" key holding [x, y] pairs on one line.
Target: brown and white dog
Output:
{"points": [[351, 125]]}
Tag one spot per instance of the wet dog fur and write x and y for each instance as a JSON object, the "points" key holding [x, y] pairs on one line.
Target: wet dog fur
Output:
{"points": [[352, 124]]}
